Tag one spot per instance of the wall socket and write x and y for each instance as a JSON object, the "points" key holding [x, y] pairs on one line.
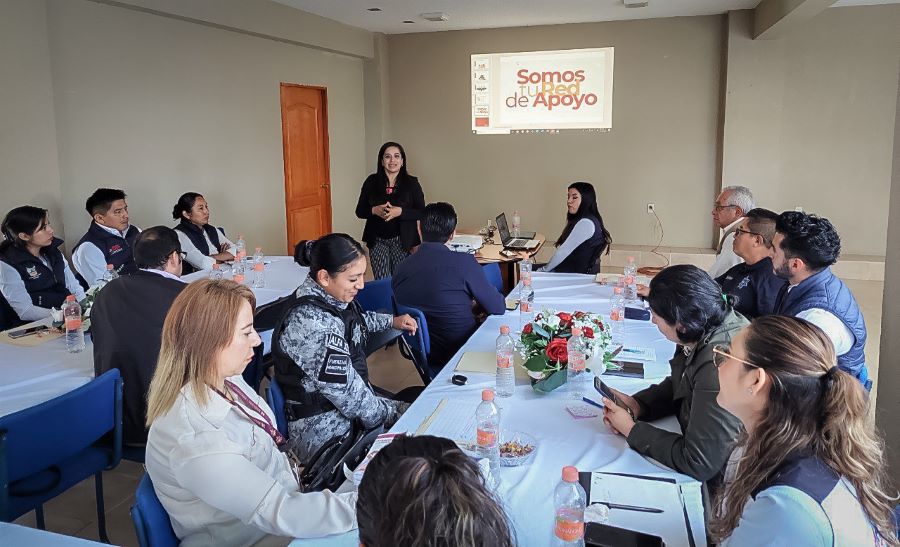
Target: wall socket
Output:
{"points": [[651, 209]]}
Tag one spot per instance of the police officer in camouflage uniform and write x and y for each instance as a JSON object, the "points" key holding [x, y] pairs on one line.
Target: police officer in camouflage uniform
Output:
{"points": [[319, 348]]}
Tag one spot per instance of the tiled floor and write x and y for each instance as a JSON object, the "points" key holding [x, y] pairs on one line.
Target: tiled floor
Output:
{"points": [[73, 513]]}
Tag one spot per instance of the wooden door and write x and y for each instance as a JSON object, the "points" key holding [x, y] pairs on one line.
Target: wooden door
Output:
{"points": [[307, 181]]}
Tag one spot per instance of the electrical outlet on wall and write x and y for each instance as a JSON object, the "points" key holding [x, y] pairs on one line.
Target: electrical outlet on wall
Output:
{"points": [[651, 208]]}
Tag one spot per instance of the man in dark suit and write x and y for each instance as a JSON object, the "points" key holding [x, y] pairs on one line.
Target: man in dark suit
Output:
{"points": [[127, 321], [447, 286]]}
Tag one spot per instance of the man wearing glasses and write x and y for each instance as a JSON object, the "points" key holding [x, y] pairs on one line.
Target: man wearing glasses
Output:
{"points": [[127, 320], [727, 213]]}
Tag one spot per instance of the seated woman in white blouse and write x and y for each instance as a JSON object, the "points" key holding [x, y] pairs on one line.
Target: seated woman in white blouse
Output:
{"points": [[213, 451], [203, 243], [584, 238], [810, 468], [34, 274]]}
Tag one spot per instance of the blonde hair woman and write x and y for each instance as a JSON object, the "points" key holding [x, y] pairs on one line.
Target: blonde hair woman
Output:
{"points": [[809, 469], [213, 450]]}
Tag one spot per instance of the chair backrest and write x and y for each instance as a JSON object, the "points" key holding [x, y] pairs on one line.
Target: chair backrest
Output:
{"points": [[151, 522], [492, 272], [44, 435], [275, 398], [255, 370], [268, 315], [420, 340], [376, 295]]}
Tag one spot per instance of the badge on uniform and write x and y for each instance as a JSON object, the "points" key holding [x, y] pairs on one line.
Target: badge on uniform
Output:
{"points": [[32, 272], [335, 368], [744, 282]]}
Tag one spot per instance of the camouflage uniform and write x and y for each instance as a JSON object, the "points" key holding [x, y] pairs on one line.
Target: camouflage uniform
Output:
{"points": [[314, 341]]}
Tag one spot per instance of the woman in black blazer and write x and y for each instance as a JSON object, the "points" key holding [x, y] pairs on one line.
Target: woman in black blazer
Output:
{"points": [[391, 201]]}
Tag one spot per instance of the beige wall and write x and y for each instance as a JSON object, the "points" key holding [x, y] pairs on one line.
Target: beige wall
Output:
{"points": [[809, 118], [888, 407], [662, 147], [158, 106], [29, 170]]}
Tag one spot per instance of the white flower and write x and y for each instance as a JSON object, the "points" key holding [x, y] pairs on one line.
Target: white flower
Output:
{"points": [[536, 374], [553, 321]]}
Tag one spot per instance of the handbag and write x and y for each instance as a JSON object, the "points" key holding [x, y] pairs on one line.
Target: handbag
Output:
{"points": [[326, 467]]}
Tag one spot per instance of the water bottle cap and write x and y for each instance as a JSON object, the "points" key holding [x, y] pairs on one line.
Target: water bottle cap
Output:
{"points": [[216, 266], [487, 395], [617, 290], [630, 259], [576, 331], [570, 473], [504, 329], [258, 249], [109, 266], [526, 281], [70, 298]]}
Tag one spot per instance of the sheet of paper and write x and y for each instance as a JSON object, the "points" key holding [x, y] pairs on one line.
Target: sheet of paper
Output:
{"points": [[485, 362], [693, 506], [637, 354], [452, 419], [670, 524]]}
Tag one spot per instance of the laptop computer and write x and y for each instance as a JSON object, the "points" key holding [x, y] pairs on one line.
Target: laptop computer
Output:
{"points": [[521, 242]]}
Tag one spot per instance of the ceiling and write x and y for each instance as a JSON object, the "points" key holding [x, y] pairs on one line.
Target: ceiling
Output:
{"points": [[471, 14]]}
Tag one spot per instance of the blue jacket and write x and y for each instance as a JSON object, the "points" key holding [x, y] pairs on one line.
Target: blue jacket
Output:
{"points": [[825, 291], [443, 284]]}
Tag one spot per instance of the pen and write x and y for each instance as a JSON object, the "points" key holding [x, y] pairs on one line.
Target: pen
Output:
{"points": [[592, 403], [629, 507]]}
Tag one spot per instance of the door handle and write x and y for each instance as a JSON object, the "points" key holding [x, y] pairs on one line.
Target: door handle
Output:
{"points": [[324, 185]]}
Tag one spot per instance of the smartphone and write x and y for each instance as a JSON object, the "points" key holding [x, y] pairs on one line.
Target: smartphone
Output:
{"points": [[606, 391], [603, 535], [25, 332]]}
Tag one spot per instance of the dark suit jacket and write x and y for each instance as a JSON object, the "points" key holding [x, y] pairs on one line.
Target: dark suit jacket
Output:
{"points": [[126, 328], [442, 284]]}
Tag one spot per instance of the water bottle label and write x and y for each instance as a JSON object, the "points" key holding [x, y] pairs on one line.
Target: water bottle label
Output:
{"points": [[569, 530], [629, 279], [486, 438], [526, 306], [238, 278], [241, 255], [73, 323], [504, 361], [577, 363], [259, 267], [615, 315]]}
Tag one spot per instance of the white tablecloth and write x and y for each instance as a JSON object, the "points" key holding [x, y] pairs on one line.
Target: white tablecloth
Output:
{"points": [[15, 535], [587, 444], [283, 275]]}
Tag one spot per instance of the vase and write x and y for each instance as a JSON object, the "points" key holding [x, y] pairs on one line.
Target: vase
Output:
{"points": [[549, 383]]}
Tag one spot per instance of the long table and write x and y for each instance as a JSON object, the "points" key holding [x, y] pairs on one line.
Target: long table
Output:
{"points": [[588, 444]]}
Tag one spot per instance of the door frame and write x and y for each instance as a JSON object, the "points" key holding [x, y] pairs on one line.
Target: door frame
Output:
{"points": [[323, 91]]}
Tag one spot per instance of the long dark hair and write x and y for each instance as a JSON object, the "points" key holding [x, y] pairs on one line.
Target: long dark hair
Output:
{"points": [[687, 297], [587, 209], [333, 253], [813, 406], [379, 166], [25, 219], [185, 204], [424, 491]]}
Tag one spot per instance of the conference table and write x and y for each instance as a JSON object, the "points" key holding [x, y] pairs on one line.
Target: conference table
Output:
{"points": [[527, 491]]}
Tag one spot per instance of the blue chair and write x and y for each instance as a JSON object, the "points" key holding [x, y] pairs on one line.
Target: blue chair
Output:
{"points": [[50, 447], [492, 273], [256, 369], [419, 343], [151, 522], [376, 295], [275, 398]]}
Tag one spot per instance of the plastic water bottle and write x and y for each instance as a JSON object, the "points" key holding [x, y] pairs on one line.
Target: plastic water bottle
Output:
{"points": [[487, 434], [630, 280], [525, 268], [516, 223], [569, 499], [617, 317], [216, 272], [576, 370], [237, 271], [240, 249], [526, 304], [259, 269], [74, 334], [506, 382], [109, 275]]}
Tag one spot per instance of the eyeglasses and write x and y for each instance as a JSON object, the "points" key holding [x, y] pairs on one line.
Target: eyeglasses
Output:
{"points": [[718, 207], [748, 232], [720, 355]]}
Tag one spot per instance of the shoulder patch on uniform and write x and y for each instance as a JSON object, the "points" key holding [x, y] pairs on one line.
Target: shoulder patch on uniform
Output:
{"points": [[335, 368], [336, 342]]}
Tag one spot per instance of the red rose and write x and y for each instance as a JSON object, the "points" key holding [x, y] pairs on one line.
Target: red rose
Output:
{"points": [[588, 332], [527, 329], [599, 324], [564, 317], [579, 314], [558, 351]]}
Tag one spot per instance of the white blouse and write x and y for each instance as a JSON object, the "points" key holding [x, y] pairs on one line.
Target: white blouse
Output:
{"points": [[198, 259], [223, 480]]}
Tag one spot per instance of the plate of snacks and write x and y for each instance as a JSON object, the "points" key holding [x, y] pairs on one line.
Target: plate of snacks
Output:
{"points": [[517, 448]]}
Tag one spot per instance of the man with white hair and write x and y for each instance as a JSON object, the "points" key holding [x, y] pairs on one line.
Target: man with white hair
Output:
{"points": [[728, 213]]}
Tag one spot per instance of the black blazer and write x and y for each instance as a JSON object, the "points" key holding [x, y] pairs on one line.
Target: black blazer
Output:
{"points": [[126, 328], [407, 194]]}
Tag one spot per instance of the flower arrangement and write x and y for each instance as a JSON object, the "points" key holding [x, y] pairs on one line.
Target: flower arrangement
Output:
{"points": [[545, 345]]}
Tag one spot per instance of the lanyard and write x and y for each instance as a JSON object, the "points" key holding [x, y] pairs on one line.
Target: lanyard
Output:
{"points": [[265, 425]]}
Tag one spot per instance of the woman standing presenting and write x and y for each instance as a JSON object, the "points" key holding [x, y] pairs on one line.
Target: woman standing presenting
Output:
{"points": [[391, 201], [584, 238]]}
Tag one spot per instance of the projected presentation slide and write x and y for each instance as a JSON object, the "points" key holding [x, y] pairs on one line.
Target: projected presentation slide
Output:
{"points": [[542, 91]]}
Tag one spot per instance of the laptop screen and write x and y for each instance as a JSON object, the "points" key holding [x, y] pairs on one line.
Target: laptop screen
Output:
{"points": [[502, 227]]}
